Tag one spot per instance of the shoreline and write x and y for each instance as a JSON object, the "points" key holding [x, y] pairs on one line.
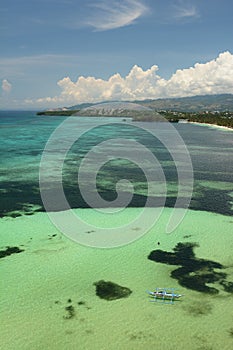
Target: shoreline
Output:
{"points": [[213, 125]]}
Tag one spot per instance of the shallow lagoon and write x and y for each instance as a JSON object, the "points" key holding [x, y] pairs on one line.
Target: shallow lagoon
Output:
{"points": [[53, 274]]}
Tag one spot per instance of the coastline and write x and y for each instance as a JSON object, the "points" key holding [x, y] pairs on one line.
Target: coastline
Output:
{"points": [[215, 126]]}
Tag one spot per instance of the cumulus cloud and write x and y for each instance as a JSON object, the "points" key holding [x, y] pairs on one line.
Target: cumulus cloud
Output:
{"points": [[115, 14], [6, 86], [213, 77]]}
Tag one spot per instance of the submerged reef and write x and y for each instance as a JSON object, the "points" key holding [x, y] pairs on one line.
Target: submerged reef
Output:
{"points": [[194, 273], [10, 250], [228, 286], [70, 309], [198, 308], [70, 312], [111, 291]]}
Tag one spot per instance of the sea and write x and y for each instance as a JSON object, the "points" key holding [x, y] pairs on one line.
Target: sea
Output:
{"points": [[86, 202]]}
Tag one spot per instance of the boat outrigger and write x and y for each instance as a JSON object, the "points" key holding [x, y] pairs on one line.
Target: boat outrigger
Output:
{"points": [[164, 295]]}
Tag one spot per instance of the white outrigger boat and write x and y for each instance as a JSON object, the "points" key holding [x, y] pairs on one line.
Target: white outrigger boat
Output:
{"points": [[164, 295]]}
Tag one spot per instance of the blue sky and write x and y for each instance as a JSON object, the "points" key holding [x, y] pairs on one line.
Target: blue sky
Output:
{"points": [[62, 52]]}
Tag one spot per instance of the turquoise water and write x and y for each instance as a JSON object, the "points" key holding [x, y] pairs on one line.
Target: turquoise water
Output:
{"points": [[53, 273], [24, 136], [48, 297]]}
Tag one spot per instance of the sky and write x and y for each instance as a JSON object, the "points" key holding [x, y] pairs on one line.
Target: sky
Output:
{"points": [[57, 53]]}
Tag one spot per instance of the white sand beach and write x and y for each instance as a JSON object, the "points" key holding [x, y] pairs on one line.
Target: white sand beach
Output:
{"points": [[213, 126]]}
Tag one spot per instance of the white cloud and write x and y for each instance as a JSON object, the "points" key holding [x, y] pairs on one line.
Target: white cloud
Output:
{"points": [[213, 77], [115, 14], [6, 86], [185, 11]]}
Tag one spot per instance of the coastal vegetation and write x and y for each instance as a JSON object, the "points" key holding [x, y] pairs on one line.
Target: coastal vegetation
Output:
{"points": [[207, 117], [65, 113], [208, 109]]}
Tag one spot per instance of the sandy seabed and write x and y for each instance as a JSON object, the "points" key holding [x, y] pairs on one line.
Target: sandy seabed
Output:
{"points": [[52, 273]]}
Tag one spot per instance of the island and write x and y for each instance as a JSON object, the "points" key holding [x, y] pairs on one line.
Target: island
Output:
{"points": [[214, 109]]}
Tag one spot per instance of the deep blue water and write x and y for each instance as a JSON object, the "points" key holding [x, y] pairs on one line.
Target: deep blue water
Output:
{"points": [[24, 136]]}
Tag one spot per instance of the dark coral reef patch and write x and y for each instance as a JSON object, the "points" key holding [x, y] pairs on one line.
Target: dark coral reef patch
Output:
{"points": [[70, 312], [193, 273], [111, 291], [10, 250]]}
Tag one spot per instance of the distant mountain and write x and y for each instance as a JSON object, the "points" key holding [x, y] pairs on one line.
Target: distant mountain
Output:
{"points": [[221, 102], [81, 106], [210, 109], [114, 108], [120, 109]]}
